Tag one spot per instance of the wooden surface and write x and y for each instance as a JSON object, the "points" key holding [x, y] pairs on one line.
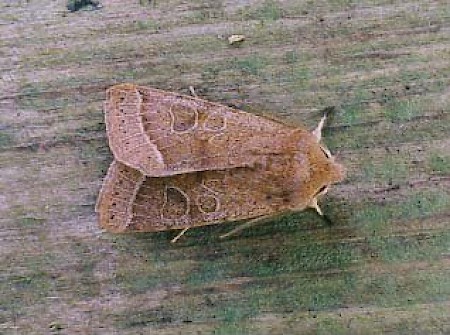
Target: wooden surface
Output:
{"points": [[382, 267]]}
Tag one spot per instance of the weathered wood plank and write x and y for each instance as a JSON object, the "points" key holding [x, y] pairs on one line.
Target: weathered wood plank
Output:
{"points": [[381, 268]]}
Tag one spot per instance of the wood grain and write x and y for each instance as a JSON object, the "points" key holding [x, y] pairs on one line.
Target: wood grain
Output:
{"points": [[382, 267]]}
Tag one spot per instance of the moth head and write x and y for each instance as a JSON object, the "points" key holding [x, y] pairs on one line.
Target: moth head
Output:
{"points": [[324, 172], [334, 171]]}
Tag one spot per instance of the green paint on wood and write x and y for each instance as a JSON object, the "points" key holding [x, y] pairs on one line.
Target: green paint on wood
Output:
{"points": [[439, 163]]}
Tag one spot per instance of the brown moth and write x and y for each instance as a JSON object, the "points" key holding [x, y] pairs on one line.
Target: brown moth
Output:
{"points": [[182, 162]]}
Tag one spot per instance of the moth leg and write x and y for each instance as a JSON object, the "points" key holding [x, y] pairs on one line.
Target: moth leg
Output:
{"points": [[313, 204], [246, 225], [181, 233], [318, 131], [327, 220]]}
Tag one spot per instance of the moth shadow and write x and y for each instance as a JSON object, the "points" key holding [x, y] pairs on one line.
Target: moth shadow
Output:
{"points": [[336, 218], [299, 243]]}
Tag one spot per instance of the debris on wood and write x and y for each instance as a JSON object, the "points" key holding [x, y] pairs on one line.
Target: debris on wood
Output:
{"points": [[76, 5], [236, 39]]}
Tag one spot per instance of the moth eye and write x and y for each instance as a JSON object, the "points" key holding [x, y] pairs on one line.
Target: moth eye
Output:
{"points": [[322, 190], [325, 152]]}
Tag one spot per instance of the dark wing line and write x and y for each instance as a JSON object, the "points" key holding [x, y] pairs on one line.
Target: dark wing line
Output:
{"points": [[143, 156], [115, 202]]}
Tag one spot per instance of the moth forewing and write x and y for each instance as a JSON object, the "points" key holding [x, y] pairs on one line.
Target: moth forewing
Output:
{"points": [[131, 201], [162, 133]]}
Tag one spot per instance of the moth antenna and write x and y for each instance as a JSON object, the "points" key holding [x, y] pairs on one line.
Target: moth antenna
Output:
{"points": [[176, 238], [315, 205], [318, 131], [327, 220]]}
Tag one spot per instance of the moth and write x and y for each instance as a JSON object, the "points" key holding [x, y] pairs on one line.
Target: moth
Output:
{"points": [[182, 162]]}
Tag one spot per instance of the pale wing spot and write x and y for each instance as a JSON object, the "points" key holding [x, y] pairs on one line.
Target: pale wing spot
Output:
{"points": [[215, 122], [208, 203], [212, 185], [176, 204], [183, 117]]}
